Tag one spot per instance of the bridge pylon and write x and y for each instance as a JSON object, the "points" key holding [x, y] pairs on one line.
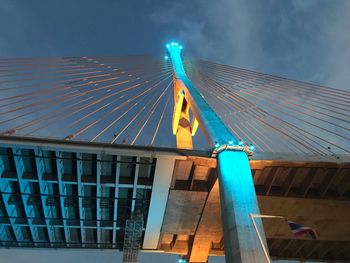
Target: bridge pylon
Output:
{"points": [[237, 193]]}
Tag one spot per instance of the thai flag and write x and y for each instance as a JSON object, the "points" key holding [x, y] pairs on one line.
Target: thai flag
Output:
{"points": [[298, 230]]}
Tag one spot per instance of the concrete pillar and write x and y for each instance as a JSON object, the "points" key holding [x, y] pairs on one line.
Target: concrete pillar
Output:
{"points": [[237, 193], [238, 201]]}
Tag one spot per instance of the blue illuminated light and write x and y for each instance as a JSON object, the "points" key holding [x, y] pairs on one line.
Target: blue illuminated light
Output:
{"points": [[174, 47], [240, 142], [182, 259], [236, 182], [251, 147], [166, 57]]}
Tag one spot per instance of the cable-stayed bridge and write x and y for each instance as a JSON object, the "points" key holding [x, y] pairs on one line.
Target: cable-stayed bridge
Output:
{"points": [[128, 100], [88, 144]]}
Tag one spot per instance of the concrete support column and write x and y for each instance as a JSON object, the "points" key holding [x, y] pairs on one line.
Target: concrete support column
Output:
{"points": [[237, 193], [238, 201]]}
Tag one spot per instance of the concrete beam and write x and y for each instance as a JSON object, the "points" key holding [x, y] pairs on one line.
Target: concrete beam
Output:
{"points": [[26, 192], [98, 199], [209, 228], [330, 176], [44, 189], [289, 181], [308, 181], [116, 193], [96, 148], [238, 201], [161, 183], [134, 189], [183, 212], [11, 210], [63, 192], [271, 178], [344, 184], [79, 163]]}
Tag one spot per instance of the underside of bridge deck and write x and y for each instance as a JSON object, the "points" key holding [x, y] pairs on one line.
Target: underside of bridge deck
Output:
{"points": [[313, 193]]}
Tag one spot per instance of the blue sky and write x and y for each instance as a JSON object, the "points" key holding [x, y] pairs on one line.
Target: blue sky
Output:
{"points": [[304, 40]]}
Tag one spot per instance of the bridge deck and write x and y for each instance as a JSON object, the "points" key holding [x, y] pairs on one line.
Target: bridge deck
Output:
{"points": [[312, 190]]}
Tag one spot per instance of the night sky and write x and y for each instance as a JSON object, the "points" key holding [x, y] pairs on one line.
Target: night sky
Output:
{"points": [[303, 40]]}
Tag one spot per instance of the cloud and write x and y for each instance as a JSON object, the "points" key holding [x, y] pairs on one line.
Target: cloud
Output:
{"points": [[304, 40], [338, 56]]}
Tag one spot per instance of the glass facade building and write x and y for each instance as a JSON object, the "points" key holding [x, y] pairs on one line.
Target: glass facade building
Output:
{"points": [[70, 199]]}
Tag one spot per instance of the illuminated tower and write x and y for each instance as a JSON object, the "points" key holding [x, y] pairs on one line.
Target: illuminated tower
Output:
{"points": [[237, 193]]}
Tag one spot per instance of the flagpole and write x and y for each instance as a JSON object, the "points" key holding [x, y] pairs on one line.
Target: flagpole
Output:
{"points": [[252, 216]]}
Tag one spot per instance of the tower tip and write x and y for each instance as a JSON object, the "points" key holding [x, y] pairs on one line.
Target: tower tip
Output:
{"points": [[173, 46]]}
